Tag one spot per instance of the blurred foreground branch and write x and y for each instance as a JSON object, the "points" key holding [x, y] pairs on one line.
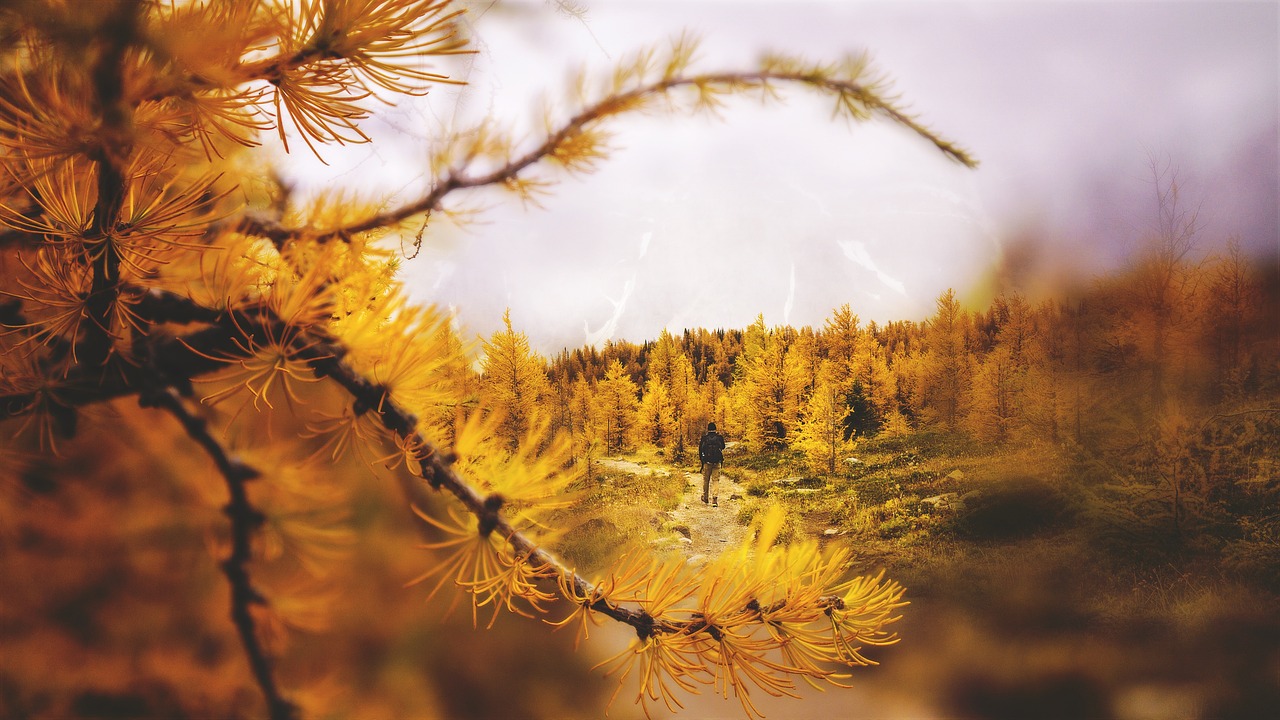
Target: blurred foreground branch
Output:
{"points": [[245, 519]]}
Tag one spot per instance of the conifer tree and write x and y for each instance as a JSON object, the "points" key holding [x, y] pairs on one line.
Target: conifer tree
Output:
{"points": [[584, 428], [871, 379], [1048, 377], [709, 403], [839, 336], [768, 388], [584, 425], [947, 361], [1233, 309], [656, 417], [720, 368], [615, 407], [684, 403], [1018, 331], [668, 394], [995, 404], [513, 381], [821, 435], [997, 399], [907, 368], [159, 278], [808, 360]]}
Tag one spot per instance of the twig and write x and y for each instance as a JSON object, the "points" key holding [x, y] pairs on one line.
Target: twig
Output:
{"points": [[1239, 413], [178, 360], [244, 520], [108, 81], [612, 105], [438, 471]]}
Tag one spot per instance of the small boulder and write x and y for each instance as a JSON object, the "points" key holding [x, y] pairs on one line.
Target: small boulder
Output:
{"points": [[945, 501]]}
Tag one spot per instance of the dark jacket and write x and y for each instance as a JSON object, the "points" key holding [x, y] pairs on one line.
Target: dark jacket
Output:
{"points": [[711, 448]]}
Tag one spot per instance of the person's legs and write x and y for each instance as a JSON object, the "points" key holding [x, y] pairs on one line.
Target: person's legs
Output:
{"points": [[706, 481], [713, 480]]}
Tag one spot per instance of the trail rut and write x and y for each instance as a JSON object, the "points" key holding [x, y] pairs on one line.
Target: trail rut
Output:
{"points": [[711, 529]]}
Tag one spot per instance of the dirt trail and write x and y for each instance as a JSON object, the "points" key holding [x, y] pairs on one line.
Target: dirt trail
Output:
{"points": [[711, 529]]}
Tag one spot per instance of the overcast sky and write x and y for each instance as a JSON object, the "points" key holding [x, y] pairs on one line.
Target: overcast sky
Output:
{"points": [[776, 209]]}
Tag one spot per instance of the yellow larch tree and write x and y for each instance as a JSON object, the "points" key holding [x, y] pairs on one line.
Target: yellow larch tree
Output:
{"points": [[996, 393], [808, 360], [615, 407], [661, 420], [839, 337], [1048, 378], [688, 411], [656, 422], [946, 362], [821, 434], [589, 438], [874, 385], [769, 386], [513, 382], [670, 367]]}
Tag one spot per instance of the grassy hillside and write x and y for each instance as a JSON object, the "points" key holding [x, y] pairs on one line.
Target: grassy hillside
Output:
{"points": [[1026, 601]]}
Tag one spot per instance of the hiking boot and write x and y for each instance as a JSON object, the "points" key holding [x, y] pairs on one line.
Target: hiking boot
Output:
{"points": [[715, 501], [704, 499]]}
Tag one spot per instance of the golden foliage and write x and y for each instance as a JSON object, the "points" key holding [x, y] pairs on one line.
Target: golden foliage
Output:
{"points": [[756, 617], [149, 254]]}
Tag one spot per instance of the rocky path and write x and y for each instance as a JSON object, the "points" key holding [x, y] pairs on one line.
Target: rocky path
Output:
{"points": [[700, 531], [710, 529]]}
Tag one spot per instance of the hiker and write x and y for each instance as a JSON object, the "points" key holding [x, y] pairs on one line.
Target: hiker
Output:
{"points": [[711, 454]]}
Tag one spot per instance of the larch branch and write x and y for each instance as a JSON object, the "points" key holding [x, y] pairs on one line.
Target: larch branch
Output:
{"points": [[118, 31], [615, 104], [245, 519], [438, 470], [177, 360]]}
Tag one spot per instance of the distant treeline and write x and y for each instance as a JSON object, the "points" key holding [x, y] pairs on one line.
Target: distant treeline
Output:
{"points": [[1162, 380], [1122, 352]]}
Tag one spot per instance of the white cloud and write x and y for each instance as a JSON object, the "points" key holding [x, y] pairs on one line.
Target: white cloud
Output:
{"points": [[791, 297], [610, 326], [702, 215], [857, 252], [644, 244]]}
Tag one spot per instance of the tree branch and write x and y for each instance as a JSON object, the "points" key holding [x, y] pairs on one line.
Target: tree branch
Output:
{"points": [[439, 472], [615, 104], [245, 519], [1239, 413], [118, 31], [177, 360]]}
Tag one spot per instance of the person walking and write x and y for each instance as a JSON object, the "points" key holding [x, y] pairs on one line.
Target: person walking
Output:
{"points": [[711, 454]]}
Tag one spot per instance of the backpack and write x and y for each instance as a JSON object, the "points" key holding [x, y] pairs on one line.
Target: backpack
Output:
{"points": [[710, 450]]}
